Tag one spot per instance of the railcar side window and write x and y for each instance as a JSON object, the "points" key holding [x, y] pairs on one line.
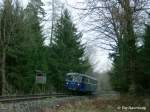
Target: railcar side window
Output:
{"points": [[84, 79], [93, 81]]}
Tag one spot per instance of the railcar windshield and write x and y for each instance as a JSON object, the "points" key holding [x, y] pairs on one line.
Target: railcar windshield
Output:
{"points": [[73, 77], [69, 77], [77, 78]]}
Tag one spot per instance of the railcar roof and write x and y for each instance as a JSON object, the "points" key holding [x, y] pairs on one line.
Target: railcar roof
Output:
{"points": [[91, 77]]}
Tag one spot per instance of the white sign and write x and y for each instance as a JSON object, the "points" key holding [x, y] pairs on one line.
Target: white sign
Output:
{"points": [[41, 79]]}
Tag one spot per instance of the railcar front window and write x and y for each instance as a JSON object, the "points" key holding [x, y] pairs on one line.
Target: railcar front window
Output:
{"points": [[77, 79], [69, 78]]}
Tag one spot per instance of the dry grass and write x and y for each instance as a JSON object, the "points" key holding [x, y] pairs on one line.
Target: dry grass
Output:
{"points": [[101, 105]]}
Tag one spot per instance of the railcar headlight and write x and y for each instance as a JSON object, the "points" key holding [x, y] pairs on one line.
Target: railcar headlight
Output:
{"points": [[67, 83], [78, 84]]}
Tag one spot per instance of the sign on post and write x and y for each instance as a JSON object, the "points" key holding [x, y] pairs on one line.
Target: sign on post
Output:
{"points": [[40, 77]]}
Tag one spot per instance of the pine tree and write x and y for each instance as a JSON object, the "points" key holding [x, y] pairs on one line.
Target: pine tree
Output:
{"points": [[6, 28], [15, 54], [34, 44], [26, 51], [67, 54], [119, 79], [143, 80], [21, 38]]}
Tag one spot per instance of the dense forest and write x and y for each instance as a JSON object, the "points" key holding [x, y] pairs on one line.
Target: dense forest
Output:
{"points": [[23, 51]]}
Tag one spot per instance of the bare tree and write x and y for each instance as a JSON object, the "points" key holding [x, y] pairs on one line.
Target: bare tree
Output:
{"points": [[109, 18], [116, 23]]}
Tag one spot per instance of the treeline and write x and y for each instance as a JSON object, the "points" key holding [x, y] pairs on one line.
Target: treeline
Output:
{"points": [[22, 49], [120, 24], [137, 83]]}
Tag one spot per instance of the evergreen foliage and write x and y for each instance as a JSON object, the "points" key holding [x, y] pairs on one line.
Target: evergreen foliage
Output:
{"points": [[143, 80], [67, 54], [22, 52], [121, 79], [7, 24], [26, 51], [22, 42]]}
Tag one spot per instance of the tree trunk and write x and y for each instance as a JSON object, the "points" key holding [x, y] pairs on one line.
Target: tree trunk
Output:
{"points": [[3, 77]]}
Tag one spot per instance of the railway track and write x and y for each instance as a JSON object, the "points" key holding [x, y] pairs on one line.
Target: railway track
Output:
{"points": [[20, 98]]}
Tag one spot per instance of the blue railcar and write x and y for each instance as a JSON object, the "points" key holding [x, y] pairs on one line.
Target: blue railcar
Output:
{"points": [[80, 82]]}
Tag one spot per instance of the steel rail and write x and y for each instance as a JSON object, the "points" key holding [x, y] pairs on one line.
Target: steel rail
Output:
{"points": [[21, 98]]}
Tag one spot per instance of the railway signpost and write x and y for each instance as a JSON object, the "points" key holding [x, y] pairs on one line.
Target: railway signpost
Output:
{"points": [[40, 81], [40, 77]]}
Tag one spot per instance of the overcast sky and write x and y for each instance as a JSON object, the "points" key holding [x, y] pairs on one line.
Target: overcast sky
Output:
{"points": [[97, 56]]}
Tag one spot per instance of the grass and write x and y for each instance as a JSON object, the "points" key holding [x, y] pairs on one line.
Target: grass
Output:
{"points": [[99, 104], [123, 104]]}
